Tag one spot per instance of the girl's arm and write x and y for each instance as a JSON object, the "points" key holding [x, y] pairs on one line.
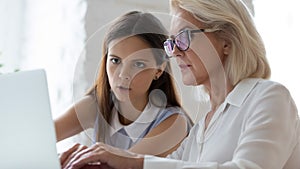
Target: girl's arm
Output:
{"points": [[78, 117]]}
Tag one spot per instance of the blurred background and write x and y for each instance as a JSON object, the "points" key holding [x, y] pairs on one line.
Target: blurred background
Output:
{"points": [[64, 38]]}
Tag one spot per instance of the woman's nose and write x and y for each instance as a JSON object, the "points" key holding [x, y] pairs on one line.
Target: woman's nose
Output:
{"points": [[176, 52]]}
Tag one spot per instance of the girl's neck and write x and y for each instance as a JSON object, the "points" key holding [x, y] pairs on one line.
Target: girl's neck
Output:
{"points": [[130, 111]]}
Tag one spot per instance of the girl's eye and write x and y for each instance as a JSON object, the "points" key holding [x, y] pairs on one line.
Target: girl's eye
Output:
{"points": [[139, 64], [115, 60]]}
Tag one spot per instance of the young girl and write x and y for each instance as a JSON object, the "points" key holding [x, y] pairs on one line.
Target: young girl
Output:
{"points": [[133, 104]]}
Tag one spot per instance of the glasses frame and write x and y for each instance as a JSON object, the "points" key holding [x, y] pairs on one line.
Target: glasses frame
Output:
{"points": [[189, 33]]}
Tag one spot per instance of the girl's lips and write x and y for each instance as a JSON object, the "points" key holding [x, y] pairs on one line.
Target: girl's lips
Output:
{"points": [[123, 88]]}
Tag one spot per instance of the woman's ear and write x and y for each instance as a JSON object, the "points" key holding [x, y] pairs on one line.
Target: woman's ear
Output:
{"points": [[226, 47]]}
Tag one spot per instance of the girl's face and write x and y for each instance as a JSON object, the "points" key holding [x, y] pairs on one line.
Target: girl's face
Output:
{"points": [[205, 55], [130, 67]]}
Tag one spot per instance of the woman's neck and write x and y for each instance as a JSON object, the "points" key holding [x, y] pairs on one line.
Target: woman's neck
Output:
{"points": [[218, 91], [217, 96]]}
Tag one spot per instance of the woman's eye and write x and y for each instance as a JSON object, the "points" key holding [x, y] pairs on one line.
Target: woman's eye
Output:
{"points": [[139, 64], [115, 60]]}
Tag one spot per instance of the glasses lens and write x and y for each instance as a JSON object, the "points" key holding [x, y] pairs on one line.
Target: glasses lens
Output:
{"points": [[168, 45], [182, 41]]}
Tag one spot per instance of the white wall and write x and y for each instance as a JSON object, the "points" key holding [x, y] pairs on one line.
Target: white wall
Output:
{"points": [[53, 40], [11, 34], [46, 34], [279, 25]]}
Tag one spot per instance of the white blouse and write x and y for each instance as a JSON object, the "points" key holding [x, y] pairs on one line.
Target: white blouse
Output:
{"points": [[256, 127]]}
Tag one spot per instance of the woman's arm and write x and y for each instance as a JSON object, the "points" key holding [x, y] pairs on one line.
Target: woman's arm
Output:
{"points": [[78, 117]]}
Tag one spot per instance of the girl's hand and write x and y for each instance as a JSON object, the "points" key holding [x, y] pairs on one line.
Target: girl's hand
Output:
{"points": [[107, 157]]}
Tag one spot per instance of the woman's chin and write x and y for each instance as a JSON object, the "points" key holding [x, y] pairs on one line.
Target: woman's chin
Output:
{"points": [[189, 81]]}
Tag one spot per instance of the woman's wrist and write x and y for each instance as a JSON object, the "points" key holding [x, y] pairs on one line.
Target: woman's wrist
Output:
{"points": [[138, 162]]}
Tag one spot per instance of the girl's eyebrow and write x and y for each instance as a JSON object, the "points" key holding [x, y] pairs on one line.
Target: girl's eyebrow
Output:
{"points": [[145, 60], [133, 60], [113, 55]]}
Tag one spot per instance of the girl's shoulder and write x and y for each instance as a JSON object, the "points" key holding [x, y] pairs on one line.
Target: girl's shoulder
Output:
{"points": [[172, 110]]}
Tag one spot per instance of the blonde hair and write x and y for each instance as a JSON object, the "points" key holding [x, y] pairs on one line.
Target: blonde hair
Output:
{"points": [[248, 56]]}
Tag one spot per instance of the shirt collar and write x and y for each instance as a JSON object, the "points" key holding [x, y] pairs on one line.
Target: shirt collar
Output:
{"points": [[136, 128], [239, 94], [236, 98]]}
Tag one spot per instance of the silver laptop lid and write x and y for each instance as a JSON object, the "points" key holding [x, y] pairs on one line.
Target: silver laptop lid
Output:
{"points": [[27, 135]]}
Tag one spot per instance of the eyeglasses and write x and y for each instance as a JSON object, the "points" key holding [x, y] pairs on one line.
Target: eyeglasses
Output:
{"points": [[182, 40]]}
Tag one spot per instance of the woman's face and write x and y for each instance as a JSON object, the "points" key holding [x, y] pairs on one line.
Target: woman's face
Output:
{"points": [[205, 55], [130, 67]]}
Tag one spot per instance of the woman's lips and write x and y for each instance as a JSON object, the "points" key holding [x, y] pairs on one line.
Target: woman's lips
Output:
{"points": [[184, 66]]}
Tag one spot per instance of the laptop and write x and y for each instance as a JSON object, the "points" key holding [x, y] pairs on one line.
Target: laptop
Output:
{"points": [[27, 134]]}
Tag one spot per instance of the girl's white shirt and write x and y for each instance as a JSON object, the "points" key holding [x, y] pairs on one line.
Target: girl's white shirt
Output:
{"points": [[125, 136]]}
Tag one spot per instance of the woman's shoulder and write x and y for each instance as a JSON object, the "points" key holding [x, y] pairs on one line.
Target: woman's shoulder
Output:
{"points": [[264, 86], [271, 93], [256, 91], [258, 85]]}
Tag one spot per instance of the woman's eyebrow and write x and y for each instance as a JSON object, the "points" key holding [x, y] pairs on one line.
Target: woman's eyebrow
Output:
{"points": [[181, 29], [185, 28]]}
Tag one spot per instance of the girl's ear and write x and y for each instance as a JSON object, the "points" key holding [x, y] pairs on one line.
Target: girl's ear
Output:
{"points": [[160, 70]]}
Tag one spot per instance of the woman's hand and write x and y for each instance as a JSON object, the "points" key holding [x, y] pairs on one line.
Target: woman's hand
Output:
{"points": [[106, 156]]}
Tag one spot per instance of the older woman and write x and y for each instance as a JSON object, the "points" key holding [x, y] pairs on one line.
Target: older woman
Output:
{"points": [[253, 122]]}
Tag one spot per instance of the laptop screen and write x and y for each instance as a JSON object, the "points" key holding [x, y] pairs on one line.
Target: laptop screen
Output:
{"points": [[27, 135]]}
